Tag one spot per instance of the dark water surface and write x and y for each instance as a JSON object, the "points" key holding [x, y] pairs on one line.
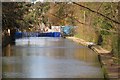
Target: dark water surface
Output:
{"points": [[40, 57]]}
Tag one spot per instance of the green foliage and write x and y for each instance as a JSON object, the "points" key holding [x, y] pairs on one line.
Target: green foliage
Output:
{"points": [[38, 12], [103, 25], [61, 11], [104, 32], [13, 13], [106, 26], [23, 14]]}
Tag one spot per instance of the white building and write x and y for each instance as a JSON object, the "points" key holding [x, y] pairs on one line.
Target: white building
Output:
{"points": [[56, 28]]}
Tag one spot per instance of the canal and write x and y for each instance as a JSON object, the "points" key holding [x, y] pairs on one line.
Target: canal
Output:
{"points": [[45, 57]]}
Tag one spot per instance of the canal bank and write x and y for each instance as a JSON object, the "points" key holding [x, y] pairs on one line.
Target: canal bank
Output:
{"points": [[106, 59]]}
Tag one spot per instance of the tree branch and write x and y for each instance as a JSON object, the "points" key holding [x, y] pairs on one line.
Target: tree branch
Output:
{"points": [[97, 13], [67, 16]]}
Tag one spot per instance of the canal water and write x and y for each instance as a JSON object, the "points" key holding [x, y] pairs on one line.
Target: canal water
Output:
{"points": [[44, 57]]}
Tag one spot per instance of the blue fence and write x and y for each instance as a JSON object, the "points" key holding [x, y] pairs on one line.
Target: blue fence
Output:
{"points": [[37, 34]]}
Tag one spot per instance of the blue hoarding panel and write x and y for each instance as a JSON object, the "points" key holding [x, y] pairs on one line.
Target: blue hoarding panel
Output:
{"points": [[29, 34], [18, 35], [57, 34]]}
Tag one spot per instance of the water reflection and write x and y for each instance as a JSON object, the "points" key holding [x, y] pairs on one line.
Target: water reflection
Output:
{"points": [[49, 58]]}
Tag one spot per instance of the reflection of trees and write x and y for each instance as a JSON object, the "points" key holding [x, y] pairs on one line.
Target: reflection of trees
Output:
{"points": [[85, 54], [55, 53], [7, 51]]}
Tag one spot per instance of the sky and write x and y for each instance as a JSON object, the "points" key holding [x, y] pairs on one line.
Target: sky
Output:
{"points": [[34, 1]]}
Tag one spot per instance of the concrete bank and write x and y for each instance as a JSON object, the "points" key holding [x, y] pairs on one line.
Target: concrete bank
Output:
{"points": [[109, 67]]}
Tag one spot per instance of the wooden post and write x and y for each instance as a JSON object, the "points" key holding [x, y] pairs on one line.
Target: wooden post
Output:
{"points": [[84, 17], [84, 23]]}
